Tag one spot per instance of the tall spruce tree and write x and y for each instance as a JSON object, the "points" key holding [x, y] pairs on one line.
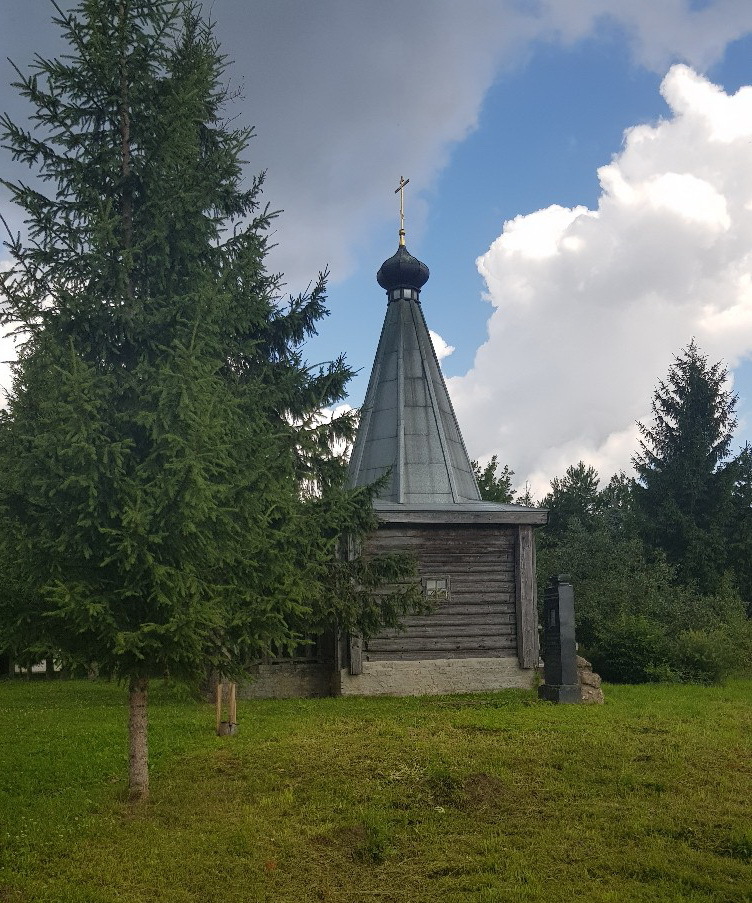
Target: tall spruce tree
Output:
{"points": [[684, 489], [162, 434]]}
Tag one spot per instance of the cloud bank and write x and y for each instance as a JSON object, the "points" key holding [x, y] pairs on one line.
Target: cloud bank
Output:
{"points": [[346, 96], [590, 304]]}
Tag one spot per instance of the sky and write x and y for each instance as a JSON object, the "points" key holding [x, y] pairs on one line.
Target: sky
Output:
{"points": [[580, 188]]}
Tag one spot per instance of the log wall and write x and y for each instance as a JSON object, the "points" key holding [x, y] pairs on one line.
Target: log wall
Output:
{"points": [[479, 618]]}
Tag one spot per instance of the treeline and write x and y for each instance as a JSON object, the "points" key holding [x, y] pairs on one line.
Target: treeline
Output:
{"points": [[661, 562]]}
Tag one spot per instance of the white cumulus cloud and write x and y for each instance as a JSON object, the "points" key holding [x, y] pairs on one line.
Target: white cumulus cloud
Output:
{"points": [[346, 96], [590, 305], [442, 348]]}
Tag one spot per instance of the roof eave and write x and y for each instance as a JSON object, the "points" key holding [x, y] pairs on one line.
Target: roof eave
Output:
{"points": [[459, 513]]}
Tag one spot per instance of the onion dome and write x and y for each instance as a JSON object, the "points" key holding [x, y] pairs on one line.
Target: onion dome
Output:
{"points": [[402, 271]]}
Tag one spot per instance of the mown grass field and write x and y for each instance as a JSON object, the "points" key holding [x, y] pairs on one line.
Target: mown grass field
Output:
{"points": [[488, 798]]}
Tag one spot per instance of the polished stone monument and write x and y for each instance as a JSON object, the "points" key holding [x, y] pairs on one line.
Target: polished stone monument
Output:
{"points": [[559, 647]]}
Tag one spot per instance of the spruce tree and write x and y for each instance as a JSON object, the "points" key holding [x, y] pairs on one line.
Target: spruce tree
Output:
{"points": [[573, 497], [169, 499], [683, 492], [740, 531]]}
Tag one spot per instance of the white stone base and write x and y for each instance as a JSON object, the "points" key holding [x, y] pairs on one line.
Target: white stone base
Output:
{"points": [[434, 676]]}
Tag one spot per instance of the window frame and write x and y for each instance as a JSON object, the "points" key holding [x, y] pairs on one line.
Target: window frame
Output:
{"points": [[437, 593]]}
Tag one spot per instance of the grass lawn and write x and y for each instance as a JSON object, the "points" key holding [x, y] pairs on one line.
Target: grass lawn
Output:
{"points": [[466, 798]]}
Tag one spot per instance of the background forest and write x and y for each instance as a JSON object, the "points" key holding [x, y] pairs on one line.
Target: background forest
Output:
{"points": [[661, 563]]}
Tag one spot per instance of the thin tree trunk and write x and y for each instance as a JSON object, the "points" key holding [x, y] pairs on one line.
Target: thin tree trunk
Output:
{"points": [[138, 745]]}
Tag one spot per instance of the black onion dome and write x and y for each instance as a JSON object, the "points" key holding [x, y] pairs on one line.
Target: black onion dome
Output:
{"points": [[402, 270]]}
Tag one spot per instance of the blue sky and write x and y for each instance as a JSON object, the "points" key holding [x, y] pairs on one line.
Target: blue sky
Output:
{"points": [[497, 111], [543, 130]]}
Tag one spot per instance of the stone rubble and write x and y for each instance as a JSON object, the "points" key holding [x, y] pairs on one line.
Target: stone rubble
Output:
{"points": [[590, 682]]}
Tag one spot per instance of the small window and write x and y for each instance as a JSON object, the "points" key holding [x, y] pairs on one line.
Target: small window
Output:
{"points": [[436, 589]]}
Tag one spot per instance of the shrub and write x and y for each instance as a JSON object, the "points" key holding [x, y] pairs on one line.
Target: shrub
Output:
{"points": [[630, 650], [705, 656], [743, 642], [611, 578]]}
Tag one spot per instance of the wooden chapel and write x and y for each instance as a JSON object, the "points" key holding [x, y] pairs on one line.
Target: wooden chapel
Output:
{"points": [[476, 559]]}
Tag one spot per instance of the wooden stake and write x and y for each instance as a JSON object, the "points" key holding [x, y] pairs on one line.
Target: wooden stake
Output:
{"points": [[232, 709], [220, 694], [227, 728]]}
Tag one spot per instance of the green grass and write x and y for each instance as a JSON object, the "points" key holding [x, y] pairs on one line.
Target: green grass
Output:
{"points": [[488, 798]]}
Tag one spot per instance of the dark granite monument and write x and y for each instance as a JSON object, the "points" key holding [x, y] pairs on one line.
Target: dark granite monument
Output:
{"points": [[562, 682]]}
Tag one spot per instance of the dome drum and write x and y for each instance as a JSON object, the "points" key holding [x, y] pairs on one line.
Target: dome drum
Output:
{"points": [[408, 294]]}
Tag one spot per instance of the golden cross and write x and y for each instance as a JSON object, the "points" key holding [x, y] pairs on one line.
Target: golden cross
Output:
{"points": [[401, 189]]}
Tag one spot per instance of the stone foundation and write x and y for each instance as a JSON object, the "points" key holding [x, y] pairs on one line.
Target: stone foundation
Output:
{"points": [[433, 677], [287, 680], [293, 680]]}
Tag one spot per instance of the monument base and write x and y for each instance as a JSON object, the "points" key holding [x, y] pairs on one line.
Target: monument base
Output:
{"points": [[560, 693]]}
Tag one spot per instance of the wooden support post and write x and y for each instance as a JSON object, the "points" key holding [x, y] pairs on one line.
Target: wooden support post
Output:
{"points": [[356, 653], [229, 727], [349, 645], [527, 609], [232, 708], [220, 694]]}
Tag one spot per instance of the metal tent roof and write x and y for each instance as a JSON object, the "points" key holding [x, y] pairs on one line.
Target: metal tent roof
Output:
{"points": [[408, 427]]}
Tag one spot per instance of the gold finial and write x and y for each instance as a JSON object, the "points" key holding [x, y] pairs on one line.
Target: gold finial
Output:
{"points": [[401, 189]]}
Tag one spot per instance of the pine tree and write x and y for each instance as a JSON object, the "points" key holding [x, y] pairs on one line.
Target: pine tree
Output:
{"points": [[573, 497], [169, 498], [683, 493], [525, 497]]}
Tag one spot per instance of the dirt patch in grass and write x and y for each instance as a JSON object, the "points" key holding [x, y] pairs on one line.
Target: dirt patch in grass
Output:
{"points": [[369, 841], [345, 838], [482, 791], [227, 764], [475, 792], [8, 895]]}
